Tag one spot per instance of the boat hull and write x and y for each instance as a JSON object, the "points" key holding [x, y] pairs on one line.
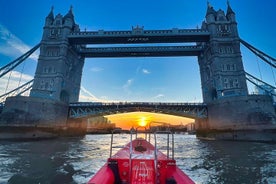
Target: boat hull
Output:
{"points": [[138, 163]]}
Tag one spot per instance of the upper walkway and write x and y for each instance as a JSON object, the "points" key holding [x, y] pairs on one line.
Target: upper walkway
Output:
{"points": [[139, 35], [189, 110]]}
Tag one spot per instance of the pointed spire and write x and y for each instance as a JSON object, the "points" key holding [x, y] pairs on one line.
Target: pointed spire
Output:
{"points": [[51, 14], [208, 4], [229, 9], [70, 13], [210, 9]]}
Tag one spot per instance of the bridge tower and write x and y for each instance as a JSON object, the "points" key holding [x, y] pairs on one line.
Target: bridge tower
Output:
{"points": [[221, 67], [56, 83], [59, 69], [232, 112]]}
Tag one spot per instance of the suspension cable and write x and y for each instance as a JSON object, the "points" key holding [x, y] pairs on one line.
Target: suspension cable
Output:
{"points": [[260, 54], [18, 91], [273, 75], [258, 64], [8, 82], [21, 73], [9, 67]]}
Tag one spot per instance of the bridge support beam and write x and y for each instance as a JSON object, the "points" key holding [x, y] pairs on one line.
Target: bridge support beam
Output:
{"points": [[243, 118], [46, 119]]}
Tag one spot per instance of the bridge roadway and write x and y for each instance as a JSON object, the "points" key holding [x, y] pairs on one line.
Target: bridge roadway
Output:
{"points": [[86, 109]]}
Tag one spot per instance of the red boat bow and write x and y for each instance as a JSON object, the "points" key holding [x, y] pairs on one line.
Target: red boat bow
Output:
{"points": [[139, 162]]}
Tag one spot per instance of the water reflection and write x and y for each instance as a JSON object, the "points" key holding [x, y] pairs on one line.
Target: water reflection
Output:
{"points": [[76, 160]]}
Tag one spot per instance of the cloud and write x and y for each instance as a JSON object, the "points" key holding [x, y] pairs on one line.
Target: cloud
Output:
{"points": [[159, 96], [12, 46], [128, 83], [96, 69], [87, 96], [145, 71]]}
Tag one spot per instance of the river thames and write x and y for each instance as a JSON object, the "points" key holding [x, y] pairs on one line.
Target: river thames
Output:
{"points": [[75, 160]]}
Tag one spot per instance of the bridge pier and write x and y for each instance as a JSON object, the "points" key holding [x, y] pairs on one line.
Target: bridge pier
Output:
{"points": [[36, 118], [243, 118]]}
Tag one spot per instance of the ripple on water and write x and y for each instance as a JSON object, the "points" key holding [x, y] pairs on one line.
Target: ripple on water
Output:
{"points": [[76, 160]]}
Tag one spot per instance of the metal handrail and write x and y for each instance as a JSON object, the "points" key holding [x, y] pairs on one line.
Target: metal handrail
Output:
{"points": [[111, 142]]}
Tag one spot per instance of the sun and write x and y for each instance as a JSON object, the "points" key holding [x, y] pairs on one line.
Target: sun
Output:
{"points": [[142, 122]]}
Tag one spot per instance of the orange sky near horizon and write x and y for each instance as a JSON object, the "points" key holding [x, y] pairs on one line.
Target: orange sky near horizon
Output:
{"points": [[132, 119]]}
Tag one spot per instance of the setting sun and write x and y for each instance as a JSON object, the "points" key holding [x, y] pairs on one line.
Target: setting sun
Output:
{"points": [[143, 122], [134, 119]]}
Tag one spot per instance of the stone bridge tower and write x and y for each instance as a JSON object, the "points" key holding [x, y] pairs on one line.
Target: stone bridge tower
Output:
{"points": [[59, 69], [221, 67], [56, 83], [232, 112]]}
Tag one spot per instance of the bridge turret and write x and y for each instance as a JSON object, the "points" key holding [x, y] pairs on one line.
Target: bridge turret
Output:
{"points": [[221, 67], [230, 13], [59, 69], [50, 18], [210, 14], [69, 18]]}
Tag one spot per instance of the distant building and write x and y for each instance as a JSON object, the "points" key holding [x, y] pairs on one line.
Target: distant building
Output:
{"points": [[99, 125]]}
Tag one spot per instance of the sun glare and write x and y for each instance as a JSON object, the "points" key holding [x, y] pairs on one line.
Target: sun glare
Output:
{"points": [[142, 122]]}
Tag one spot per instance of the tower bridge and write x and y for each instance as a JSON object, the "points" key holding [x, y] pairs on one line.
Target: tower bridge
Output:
{"points": [[227, 112]]}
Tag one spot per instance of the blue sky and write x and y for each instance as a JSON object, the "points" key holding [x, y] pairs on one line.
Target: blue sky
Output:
{"points": [[169, 79]]}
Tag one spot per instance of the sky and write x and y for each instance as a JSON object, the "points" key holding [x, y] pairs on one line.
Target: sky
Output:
{"points": [[155, 79]]}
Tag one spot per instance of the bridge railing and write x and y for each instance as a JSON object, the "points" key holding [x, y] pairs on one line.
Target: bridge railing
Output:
{"points": [[134, 103], [141, 32]]}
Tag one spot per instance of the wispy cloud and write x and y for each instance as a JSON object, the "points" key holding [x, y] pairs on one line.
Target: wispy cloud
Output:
{"points": [[96, 69], [159, 96], [11, 45], [127, 85], [87, 96], [145, 71]]}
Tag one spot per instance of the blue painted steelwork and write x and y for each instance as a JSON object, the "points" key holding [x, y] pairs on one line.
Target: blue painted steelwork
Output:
{"points": [[86, 109]]}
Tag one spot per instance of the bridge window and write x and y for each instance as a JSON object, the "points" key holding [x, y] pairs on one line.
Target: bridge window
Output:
{"points": [[58, 22], [233, 67], [230, 50], [231, 82], [46, 85], [228, 67], [226, 83], [42, 84], [236, 83]]}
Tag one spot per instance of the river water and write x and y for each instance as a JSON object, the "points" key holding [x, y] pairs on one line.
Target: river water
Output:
{"points": [[75, 160]]}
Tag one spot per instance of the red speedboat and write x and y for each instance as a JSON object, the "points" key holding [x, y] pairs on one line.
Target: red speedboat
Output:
{"points": [[139, 162]]}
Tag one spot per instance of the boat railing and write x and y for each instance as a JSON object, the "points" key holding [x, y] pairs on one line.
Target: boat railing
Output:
{"points": [[112, 140], [168, 132], [148, 133]]}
